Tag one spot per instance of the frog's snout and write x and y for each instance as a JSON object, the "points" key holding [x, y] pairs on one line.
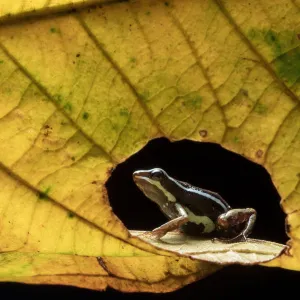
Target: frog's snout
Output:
{"points": [[135, 176], [139, 175], [140, 178]]}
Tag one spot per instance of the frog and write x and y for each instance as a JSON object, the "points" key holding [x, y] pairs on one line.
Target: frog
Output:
{"points": [[192, 210]]}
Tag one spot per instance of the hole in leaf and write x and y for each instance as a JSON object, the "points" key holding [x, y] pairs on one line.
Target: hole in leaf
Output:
{"points": [[239, 181]]}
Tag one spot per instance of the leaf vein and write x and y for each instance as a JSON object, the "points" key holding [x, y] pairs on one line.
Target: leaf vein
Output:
{"points": [[44, 91], [194, 53], [253, 49], [122, 74]]}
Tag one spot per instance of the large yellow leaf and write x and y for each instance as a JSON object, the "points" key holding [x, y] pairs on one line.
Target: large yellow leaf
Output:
{"points": [[82, 90]]}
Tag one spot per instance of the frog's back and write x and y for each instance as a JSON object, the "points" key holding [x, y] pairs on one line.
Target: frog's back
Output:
{"points": [[203, 202]]}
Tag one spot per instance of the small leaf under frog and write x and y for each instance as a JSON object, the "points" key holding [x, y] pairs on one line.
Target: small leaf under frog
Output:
{"points": [[193, 210]]}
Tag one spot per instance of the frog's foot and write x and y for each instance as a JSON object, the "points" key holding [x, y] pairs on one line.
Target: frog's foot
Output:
{"points": [[161, 231], [155, 234], [238, 239]]}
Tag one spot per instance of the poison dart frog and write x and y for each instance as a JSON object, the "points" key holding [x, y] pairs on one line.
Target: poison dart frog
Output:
{"points": [[193, 210]]}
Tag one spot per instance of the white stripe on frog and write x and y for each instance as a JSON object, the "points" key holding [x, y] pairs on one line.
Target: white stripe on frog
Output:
{"points": [[209, 225]]}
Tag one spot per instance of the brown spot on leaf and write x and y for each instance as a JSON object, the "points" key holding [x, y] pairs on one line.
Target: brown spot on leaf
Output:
{"points": [[47, 130], [259, 153], [287, 250], [109, 171], [203, 133], [298, 36], [104, 266], [182, 266], [244, 92]]}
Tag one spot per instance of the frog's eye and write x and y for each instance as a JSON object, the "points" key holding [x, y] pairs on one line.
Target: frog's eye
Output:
{"points": [[157, 175]]}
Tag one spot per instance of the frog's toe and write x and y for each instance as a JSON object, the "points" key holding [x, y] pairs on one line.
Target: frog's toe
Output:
{"points": [[153, 235], [237, 239], [224, 241]]}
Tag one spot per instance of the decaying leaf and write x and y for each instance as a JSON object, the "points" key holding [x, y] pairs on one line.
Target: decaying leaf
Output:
{"points": [[86, 84], [245, 253]]}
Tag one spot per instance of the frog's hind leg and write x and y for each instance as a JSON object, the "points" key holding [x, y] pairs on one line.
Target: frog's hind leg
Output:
{"points": [[159, 232], [235, 217]]}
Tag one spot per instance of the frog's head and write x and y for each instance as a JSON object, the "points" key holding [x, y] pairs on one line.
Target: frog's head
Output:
{"points": [[153, 183]]}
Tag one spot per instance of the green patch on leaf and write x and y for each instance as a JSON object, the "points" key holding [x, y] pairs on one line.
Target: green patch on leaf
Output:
{"points": [[115, 127], [236, 139], [54, 30], [1, 62], [124, 112], [272, 39], [64, 123], [70, 215], [144, 96], [193, 101], [284, 46], [58, 98], [260, 108], [44, 195], [288, 66], [85, 115], [68, 106], [132, 60]]}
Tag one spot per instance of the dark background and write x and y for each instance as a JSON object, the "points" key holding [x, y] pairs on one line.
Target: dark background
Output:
{"points": [[240, 182]]}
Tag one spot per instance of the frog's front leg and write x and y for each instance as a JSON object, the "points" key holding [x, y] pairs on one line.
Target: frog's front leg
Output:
{"points": [[236, 217], [162, 230]]}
